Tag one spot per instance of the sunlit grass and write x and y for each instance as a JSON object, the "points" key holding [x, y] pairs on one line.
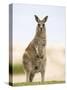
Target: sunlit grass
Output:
{"points": [[38, 83]]}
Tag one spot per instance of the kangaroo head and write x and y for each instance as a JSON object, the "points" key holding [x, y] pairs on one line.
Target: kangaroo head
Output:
{"points": [[41, 23]]}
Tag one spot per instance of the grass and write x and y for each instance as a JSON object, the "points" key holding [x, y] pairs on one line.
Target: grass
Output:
{"points": [[16, 69], [38, 83]]}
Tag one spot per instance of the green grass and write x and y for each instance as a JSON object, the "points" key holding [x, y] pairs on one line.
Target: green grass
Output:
{"points": [[16, 69], [38, 83]]}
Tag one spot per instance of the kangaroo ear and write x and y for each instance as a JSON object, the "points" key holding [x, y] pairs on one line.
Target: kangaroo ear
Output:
{"points": [[45, 19], [36, 18]]}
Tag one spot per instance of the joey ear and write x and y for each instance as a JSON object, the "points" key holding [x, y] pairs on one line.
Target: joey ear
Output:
{"points": [[36, 18], [45, 19]]}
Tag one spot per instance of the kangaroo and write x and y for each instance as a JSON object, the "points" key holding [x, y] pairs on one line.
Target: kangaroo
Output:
{"points": [[34, 57]]}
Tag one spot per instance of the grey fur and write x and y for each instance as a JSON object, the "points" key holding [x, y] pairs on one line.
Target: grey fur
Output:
{"points": [[34, 58]]}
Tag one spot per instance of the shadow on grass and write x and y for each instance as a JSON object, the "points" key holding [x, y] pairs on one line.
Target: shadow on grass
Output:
{"points": [[38, 83]]}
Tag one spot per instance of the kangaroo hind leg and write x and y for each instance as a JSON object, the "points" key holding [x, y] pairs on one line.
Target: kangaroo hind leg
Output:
{"points": [[31, 77]]}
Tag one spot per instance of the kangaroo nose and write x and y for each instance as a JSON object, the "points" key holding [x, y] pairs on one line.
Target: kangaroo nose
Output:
{"points": [[41, 28]]}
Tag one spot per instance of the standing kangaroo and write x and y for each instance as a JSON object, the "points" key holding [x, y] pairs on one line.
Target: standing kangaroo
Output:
{"points": [[34, 58]]}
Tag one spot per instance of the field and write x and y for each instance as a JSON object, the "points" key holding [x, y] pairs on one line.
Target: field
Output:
{"points": [[55, 68], [38, 83]]}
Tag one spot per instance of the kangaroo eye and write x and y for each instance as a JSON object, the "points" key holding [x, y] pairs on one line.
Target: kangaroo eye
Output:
{"points": [[43, 25], [39, 25]]}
